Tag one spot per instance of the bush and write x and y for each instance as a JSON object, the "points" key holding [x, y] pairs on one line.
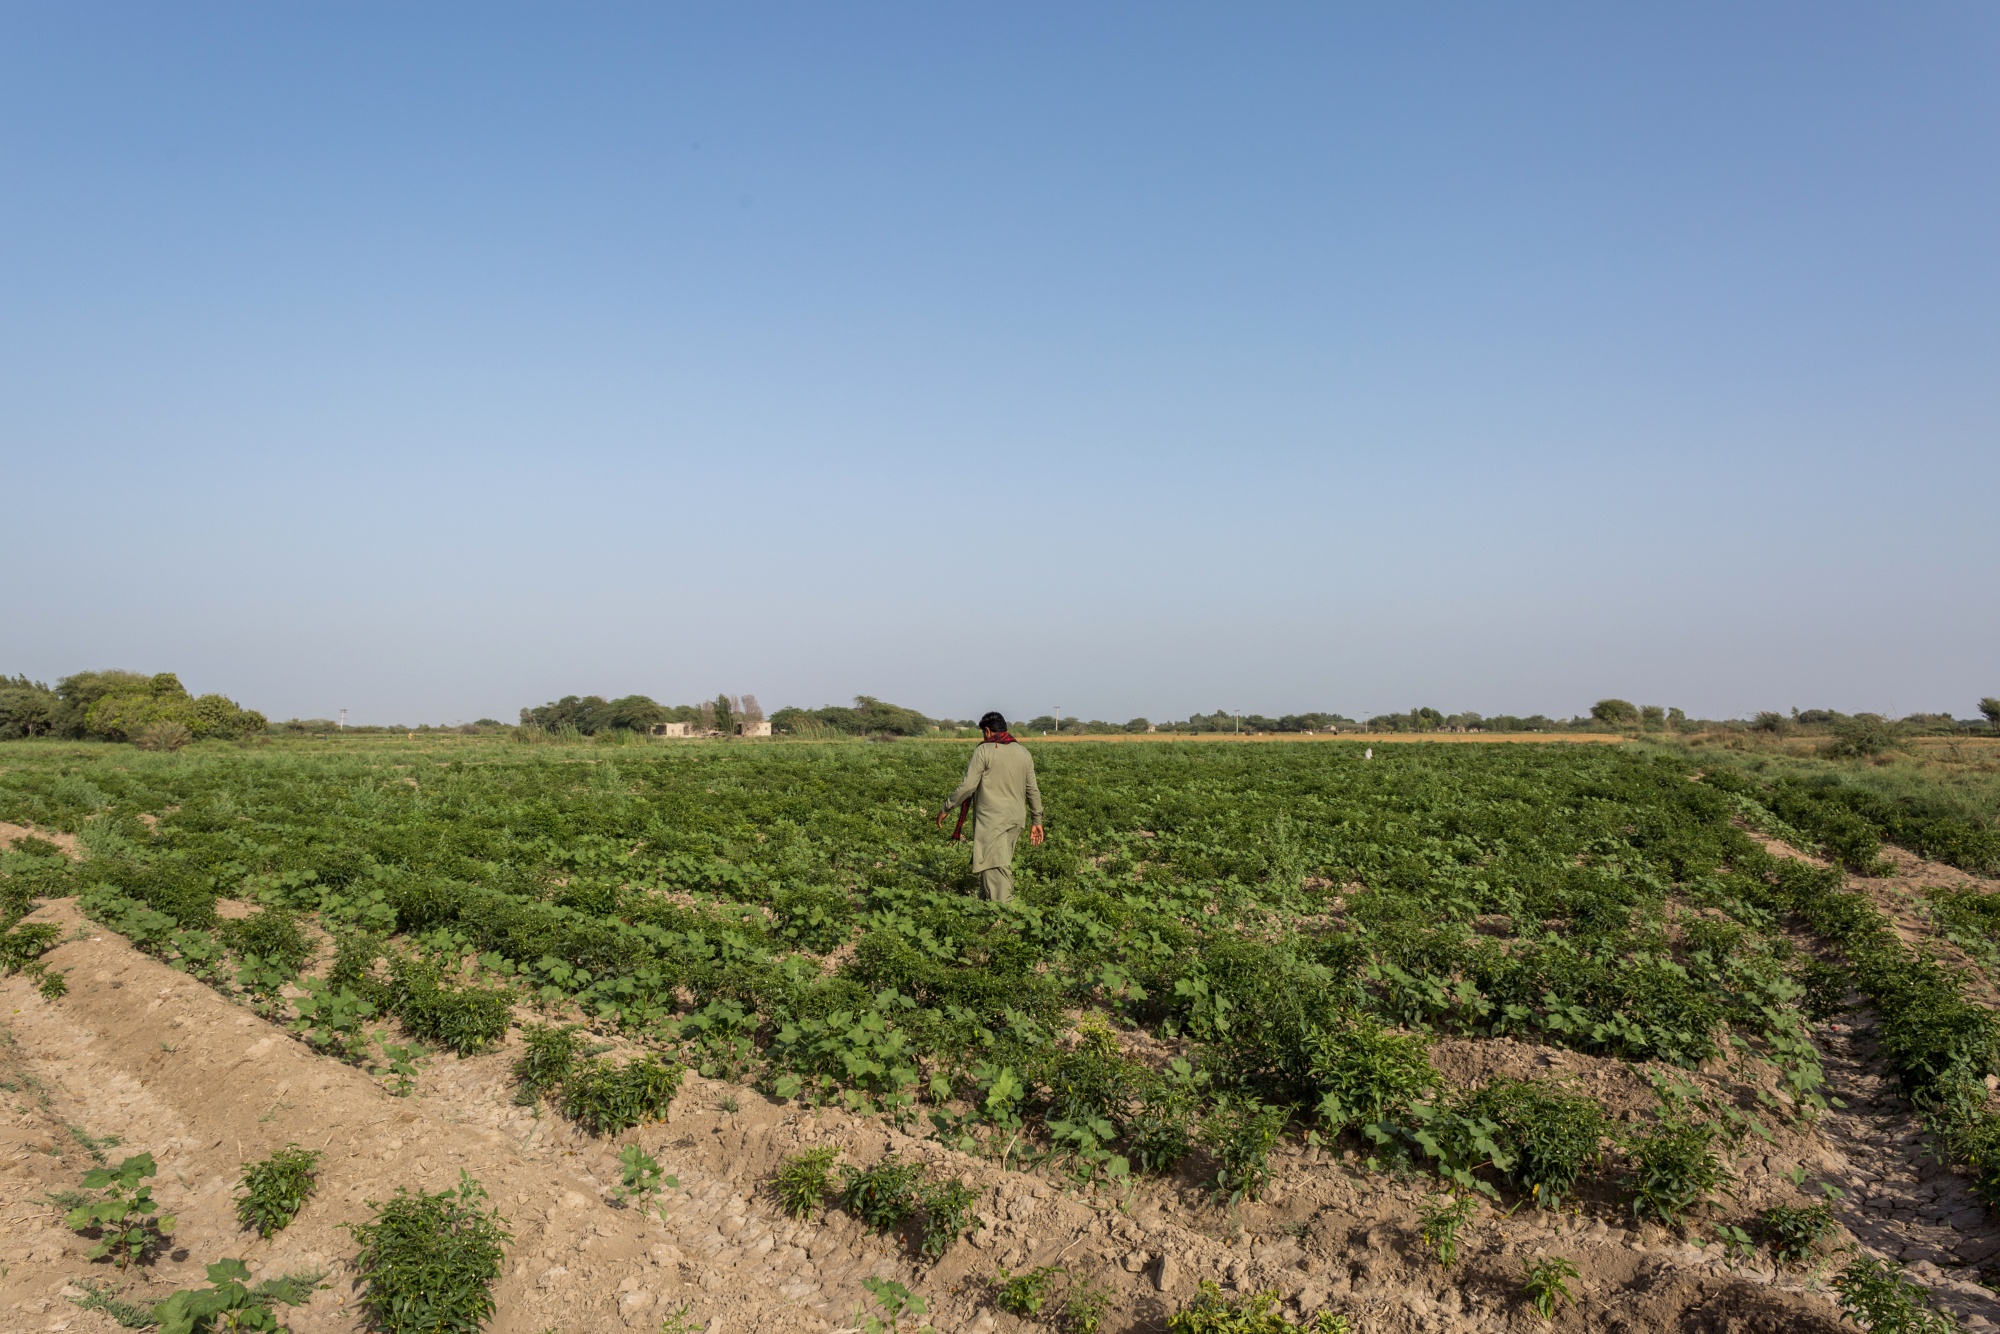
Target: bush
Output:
{"points": [[1880, 1300], [122, 1217], [272, 935], [1365, 1073], [465, 1019], [164, 735], [1791, 1233], [803, 1181], [1860, 737], [552, 1052], [1240, 1133], [884, 1196], [1552, 1137], [278, 1187], [1024, 1295], [946, 1210], [429, 1261], [1674, 1169], [605, 1099]]}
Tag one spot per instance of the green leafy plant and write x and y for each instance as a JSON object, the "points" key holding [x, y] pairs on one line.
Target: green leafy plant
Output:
{"points": [[892, 1301], [1213, 1312], [122, 1217], [946, 1210], [1444, 1214], [804, 1180], [1241, 1134], [429, 1262], [332, 1020], [1879, 1299], [1550, 1137], [1546, 1285], [1024, 1294], [604, 1099], [464, 1019], [551, 1053], [1792, 1233], [884, 1196], [1673, 1169], [276, 1189], [1085, 1306], [641, 1178], [230, 1304]]}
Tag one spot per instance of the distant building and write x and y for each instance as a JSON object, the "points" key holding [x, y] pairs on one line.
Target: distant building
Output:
{"points": [[677, 729], [754, 727]]}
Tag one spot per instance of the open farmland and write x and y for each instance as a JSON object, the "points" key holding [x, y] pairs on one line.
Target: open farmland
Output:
{"points": [[1260, 1013]]}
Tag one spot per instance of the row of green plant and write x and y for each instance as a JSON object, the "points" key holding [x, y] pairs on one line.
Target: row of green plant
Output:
{"points": [[28, 871], [1284, 907], [891, 1197]]}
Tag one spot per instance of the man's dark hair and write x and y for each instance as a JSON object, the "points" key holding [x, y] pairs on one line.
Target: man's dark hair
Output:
{"points": [[993, 721]]}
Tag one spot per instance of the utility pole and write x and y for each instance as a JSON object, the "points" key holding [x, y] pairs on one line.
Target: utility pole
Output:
{"points": [[343, 719], [1058, 720]]}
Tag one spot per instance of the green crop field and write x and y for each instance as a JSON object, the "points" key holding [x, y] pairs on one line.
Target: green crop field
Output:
{"points": [[1218, 947]]}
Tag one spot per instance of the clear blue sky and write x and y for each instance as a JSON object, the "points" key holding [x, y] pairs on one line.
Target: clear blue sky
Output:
{"points": [[431, 361]]}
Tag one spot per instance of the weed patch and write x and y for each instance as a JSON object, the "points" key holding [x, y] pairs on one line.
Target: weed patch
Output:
{"points": [[276, 1188], [429, 1262]]}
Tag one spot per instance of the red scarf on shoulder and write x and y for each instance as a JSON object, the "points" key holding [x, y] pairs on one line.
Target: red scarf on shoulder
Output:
{"points": [[958, 830]]}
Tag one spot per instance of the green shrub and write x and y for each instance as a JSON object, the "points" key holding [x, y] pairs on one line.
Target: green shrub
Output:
{"points": [[946, 1210], [1364, 1073], [605, 1099], [1085, 1306], [25, 944], [1551, 1136], [429, 1262], [1240, 1133], [884, 1196], [1791, 1233], [1879, 1299], [1211, 1312], [1024, 1295], [1444, 1214], [1673, 1169], [1159, 1126], [1546, 1285], [230, 1304], [552, 1052], [272, 935], [803, 1181], [122, 1217], [278, 1187], [463, 1019]]}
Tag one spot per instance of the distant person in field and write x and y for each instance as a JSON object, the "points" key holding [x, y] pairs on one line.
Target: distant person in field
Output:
{"points": [[999, 790]]}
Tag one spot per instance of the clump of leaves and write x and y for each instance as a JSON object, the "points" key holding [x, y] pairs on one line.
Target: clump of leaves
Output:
{"points": [[465, 1019], [1024, 1294], [1546, 1285], [605, 1099], [1240, 1134], [1444, 1214], [26, 943], [272, 935], [1879, 1299], [1552, 1137], [641, 1178], [1673, 1169], [333, 1020], [430, 1261], [278, 1187], [946, 1207], [230, 1303], [1791, 1233], [1211, 1312], [552, 1051], [804, 1180], [884, 1196], [123, 1216], [1364, 1072], [50, 984], [1159, 1126]]}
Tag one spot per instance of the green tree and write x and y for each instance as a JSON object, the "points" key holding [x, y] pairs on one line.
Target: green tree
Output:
{"points": [[1614, 712], [27, 708], [1991, 708]]}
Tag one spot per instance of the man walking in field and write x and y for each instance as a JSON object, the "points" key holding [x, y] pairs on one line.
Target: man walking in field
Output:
{"points": [[999, 790]]}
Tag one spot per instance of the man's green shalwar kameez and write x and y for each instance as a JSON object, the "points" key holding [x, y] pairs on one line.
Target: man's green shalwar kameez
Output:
{"points": [[1001, 782]]}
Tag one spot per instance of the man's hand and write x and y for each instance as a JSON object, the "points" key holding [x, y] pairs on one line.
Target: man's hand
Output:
{"points": [[1034, 835]]}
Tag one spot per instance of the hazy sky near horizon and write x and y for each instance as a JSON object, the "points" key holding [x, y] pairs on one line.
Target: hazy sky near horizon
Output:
{"points": [[430, 361]]}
